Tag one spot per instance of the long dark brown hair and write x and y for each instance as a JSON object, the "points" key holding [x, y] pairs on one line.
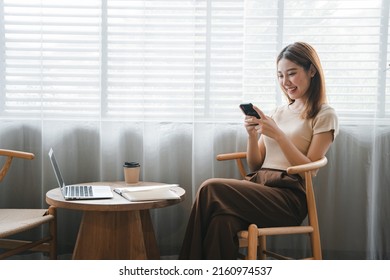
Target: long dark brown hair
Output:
{"points": [[305, 55]]}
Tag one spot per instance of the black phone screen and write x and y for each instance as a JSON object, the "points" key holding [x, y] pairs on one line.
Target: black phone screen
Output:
{"points": [[247, 109]]}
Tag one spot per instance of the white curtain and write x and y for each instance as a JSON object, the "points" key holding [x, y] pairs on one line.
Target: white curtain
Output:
{"points": [[159, 82]]}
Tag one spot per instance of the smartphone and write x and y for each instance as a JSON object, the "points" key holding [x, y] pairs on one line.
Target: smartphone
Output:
{"points": [[248, 110]]}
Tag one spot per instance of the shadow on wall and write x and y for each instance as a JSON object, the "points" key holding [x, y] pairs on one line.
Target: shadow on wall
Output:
{"points": [[21, 188], [78, 154], [353, 196], [352, 191], [167, 159]]}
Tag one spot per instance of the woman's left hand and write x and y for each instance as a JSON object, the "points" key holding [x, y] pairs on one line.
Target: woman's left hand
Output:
{"points": [[267, 126]]}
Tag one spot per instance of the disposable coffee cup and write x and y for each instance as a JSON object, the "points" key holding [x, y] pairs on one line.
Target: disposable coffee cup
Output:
{"points": [[131, 172]]}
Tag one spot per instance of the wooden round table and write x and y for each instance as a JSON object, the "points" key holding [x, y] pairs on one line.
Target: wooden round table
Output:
{"points": [[114, 228]]}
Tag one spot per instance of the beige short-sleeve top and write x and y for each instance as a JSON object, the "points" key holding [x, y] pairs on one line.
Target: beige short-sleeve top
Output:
{"points": [[299, 130]]}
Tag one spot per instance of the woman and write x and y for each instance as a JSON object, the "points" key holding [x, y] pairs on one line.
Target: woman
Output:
{"points": [[296, 133]]}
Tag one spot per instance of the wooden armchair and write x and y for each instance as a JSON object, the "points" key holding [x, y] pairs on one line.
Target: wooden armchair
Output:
{"points": [[14, 221], [254, 239]]}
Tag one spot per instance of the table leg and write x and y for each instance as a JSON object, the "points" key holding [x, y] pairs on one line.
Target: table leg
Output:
{"points": [[116, 235], [151, 246]]}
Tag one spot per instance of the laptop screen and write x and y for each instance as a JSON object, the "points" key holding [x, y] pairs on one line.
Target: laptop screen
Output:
{"points": [[56, 169]]}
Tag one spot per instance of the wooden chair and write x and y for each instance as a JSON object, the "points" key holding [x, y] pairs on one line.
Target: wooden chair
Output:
{"points": [[254, 239], [15, 221]]}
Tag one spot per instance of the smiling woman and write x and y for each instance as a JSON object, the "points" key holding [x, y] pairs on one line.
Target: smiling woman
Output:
{"points": [[268, 197], [301, 78]]}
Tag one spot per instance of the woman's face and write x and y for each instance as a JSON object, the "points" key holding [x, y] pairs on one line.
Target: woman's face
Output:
{"points": [[294, 79]]}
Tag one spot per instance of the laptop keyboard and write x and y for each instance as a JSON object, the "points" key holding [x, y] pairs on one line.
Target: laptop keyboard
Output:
{"points": [[80, 191]]}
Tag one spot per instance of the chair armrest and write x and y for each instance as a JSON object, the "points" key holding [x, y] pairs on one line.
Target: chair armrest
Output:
{"points": [[230, 156], [238, 157], [17, 154], [10, 154], [314, 165]]}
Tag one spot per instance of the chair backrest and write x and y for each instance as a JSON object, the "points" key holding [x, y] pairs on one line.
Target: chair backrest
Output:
{"points": [[308, 171], [238, 157], [308, 174]]}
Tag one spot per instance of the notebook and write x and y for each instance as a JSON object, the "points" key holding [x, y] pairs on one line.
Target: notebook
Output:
{"points": [[71, 192], [145, 193]]}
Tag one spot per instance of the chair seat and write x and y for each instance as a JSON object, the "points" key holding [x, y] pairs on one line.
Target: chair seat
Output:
{"points": [[13, 221]]}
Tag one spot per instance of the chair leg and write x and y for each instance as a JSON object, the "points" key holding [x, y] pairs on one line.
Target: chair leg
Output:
{"points": [[252, 242], [53, 233], [316, 245], [262, 247]]}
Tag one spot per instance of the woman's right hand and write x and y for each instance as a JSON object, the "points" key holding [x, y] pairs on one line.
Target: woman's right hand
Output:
{"points": [[255, 146], [250, 123]]}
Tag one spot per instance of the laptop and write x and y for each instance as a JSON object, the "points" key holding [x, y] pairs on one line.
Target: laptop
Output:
{"points": [[71, 192]]}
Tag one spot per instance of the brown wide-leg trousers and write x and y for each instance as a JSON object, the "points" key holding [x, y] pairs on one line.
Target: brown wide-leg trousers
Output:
{"points": [[269, 198]]}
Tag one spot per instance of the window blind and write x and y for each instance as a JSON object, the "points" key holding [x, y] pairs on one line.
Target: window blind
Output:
{"points": [[151, 63], [52, 58], [173, 60], [347, 36]]}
